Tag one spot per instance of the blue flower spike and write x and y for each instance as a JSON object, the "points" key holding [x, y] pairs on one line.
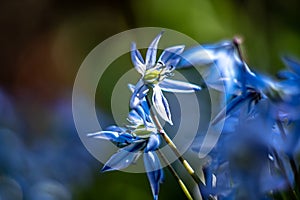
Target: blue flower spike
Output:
{"points": [[155, 74]]}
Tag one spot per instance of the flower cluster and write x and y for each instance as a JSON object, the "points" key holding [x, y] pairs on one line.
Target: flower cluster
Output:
{"points": [[141, 135], [257, 154]]}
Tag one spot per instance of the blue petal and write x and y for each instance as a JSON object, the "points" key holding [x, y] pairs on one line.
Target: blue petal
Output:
{"points": [[137, 59], [161, 105], [151, 52], [122, 138], [153, 143], [139, 93], [195, 56], [234, 105], [154, 172], [171, 56], [293, 64], [115, 128], [226, 68], [131, 87], [202, 54], [284, 74], [105, 135], [169, 85], [134, 117], [119, 161], [143, 110], [123, 158]]}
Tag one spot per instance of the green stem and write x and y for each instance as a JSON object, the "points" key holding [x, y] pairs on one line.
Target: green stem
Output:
{"points": [[173, 147], [174, 173]]}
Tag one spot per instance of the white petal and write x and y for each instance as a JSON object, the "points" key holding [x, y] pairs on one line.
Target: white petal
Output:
{"points": [[151, 52], [137, 59], [105, 135], [161, 105], [169, 85]]}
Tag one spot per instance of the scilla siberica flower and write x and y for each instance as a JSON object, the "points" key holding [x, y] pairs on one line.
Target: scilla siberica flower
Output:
{"points": [[155, 75], [248, 162], [227, 73], [140, 137]]}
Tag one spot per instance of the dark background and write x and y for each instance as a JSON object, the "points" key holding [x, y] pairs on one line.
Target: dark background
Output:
{"points": [[43, 43]]}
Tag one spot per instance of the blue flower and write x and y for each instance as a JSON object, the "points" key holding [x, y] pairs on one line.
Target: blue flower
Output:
{"points": [[155, 74], [227, 73], [288, 89], [248, 161], [135, 139], [225, 66]]}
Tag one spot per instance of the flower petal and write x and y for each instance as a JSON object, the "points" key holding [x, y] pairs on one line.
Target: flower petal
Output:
{"points": [[134, 117], [197, 55], [285, 74], [171, 56], [169, 85], [140, 91], [137, 59], [154, 172], [131, 87], [153, 143], [142, 111], [293, 64], [151, 52], [105, 135], [161, 105], [115, 128], [123, 158], [116, 137], [234, 105]]}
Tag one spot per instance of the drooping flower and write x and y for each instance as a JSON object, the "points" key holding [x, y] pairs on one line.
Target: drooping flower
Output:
{"points": [[138, 138], [256, 154], [155, 75], [246, 162]]}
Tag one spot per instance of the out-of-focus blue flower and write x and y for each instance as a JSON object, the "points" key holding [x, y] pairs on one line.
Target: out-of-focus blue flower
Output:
{"points": [[227, 73], [247, 162], [225, 67], [48, 168], [135, 139], [155, 75], [258, 150], [288, 89]]}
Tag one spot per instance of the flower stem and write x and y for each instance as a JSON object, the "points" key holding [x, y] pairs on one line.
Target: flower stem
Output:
{"points": [[174, 173], [173, 147]]}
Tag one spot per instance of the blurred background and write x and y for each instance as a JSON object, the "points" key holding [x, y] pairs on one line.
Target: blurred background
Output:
{"points": [[43, 43]]}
